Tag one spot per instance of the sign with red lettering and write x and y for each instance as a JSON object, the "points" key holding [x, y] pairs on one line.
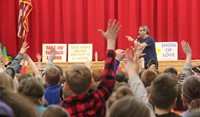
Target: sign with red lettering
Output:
{"points": [[61, 52]]}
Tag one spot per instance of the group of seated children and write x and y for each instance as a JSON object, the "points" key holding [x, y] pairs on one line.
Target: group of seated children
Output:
{"points": [[80, 92]]}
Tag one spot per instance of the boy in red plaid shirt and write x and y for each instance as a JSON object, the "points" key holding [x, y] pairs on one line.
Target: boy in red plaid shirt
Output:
{"points": [[79, 81]]}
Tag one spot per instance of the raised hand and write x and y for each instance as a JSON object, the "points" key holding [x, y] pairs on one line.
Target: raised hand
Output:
{"points": [[23, 62], [130, 38], [26, 57], [111, 34], [88, 63], [138, 51], [186, 48], [119, 54], [38, 56], [53, 51], [142, 62], [24, 48], [112, 30], [129, 62]]}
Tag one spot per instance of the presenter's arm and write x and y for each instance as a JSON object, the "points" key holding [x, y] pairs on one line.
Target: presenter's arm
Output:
{"points": [[134, 41], [144, 45]]}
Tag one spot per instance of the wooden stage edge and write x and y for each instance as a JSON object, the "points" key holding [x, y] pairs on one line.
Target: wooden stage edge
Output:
{"points": [[178, 64]]}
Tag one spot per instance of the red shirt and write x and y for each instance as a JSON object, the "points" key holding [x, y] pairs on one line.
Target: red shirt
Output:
{"points": [[94, 104]]}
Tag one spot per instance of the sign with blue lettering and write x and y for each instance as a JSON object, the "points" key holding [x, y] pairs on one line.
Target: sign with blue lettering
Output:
{"points": [[167, 50]]}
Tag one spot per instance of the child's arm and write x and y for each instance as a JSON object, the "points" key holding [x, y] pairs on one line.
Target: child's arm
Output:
{"points": [[50, 60], [131, 66], [33, 66], [135, 82], [24, 64], [117, 62], [188, 66], [119, 55], [88, 64], [39, 60], [12, 68], [107, 79]]}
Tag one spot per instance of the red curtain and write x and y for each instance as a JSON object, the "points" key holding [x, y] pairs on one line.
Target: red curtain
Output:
{"points": [[77, 21]]}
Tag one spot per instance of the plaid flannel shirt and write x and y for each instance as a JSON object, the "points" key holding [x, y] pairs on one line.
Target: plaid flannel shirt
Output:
{"points": [[94, 104]]}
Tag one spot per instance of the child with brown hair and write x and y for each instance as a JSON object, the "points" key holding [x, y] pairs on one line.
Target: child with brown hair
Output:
{"points": [[33, 89], [6, 81], [52, 92], [79, 81], [121, 92], [96, 74], [64, 93], [163, 95], [21, 106], [180, 107], [191, 93], [129, 107], [131, 65], [121, 77], [55, 111], [148, 76]]}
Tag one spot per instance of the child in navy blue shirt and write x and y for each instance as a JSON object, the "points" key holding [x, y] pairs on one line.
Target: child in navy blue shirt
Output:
{"points": [[52, 92]]}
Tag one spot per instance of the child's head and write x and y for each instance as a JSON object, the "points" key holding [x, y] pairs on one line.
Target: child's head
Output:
{"points": [[78, 78], [172, 71], [55, 111], [179, 106], [129, 106], [52, 75], [21, 106], [121, 92], [64, 93], [60, 69], [121, 77], [152, 64], [62, 79], [141, 72], [24, 76], [117, 85], [163, 91], [6, 81], [191, 92], [96, 74], [148, 76], [33, 89]]}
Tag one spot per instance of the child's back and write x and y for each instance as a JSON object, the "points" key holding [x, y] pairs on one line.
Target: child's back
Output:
{"points": [[79, 80], [52, 92]]}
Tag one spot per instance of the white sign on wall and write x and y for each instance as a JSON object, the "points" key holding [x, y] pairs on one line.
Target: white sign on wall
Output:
{"points": [[61, 52], [79, 52], [167, 50]]}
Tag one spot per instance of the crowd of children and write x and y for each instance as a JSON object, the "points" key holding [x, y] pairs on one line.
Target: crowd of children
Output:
{"points": [[80, 92]]}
